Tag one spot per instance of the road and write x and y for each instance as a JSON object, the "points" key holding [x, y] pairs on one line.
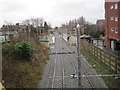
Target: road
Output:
{"points": [[63, 64]]}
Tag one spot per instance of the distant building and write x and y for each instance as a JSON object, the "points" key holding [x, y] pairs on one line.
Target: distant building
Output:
{"points": [[20, 28], [12, 32], [112, 15], [100, 24]]}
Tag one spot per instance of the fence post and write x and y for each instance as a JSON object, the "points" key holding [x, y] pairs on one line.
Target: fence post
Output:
{"points": [[101, 55], [109, 61], [116, 65], [97, 54], [105, 57]]}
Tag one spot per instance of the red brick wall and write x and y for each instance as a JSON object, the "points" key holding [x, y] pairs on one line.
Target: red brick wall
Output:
{"points": [[119, 21], [107, 42], [110, 24]]}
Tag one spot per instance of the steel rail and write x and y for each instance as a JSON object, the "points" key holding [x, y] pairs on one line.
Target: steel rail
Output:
{"points": [[84, 71], [62, 66]]}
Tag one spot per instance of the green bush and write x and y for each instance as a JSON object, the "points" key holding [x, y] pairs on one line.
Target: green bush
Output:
{"points": [[24, 51], [7, 50], [20, 51]]}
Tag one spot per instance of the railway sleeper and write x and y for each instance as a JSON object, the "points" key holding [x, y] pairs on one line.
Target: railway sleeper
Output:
{"points": [[63, 53]]}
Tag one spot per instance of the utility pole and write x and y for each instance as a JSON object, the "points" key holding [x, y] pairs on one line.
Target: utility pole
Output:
{"points": [[29, 30], [78, 55]]}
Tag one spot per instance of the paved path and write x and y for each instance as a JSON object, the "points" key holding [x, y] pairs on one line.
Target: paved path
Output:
{"points": [[62, 64]]}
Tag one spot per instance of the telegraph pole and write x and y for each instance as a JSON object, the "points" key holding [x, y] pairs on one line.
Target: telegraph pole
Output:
{"points": [[78, 55]]}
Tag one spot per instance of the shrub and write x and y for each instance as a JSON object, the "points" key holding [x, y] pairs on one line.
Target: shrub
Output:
{"points": [[20, 51], [24, 51], [7, 50]]}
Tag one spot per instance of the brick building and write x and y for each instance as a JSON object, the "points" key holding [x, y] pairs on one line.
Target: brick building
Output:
{"points": [[100, 24], [112, 15]]}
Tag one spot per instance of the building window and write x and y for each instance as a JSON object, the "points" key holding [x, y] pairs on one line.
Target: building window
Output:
{"points": [[116, 18], [112, 7], [112, 29], [116, 6], [116, 30], [112, 18]]}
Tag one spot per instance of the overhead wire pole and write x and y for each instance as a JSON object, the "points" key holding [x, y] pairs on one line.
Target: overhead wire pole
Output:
{"points": [[78, 55]]}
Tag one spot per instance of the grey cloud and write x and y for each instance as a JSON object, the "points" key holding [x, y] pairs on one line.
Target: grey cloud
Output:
{"points": [[63, 11], [12, 6], [77, 8]]}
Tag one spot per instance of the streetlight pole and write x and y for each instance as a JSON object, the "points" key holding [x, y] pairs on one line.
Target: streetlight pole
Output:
{"points": [[78, 55]]}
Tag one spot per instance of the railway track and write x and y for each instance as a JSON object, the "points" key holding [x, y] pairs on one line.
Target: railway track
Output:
{"points": [[54, 72], [74, 68], [54, 67], [72, 58], [63, 65], [63, 73], [91, 85], [53, 81]]}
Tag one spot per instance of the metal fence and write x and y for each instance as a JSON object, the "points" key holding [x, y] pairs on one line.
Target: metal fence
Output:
{"points": [[110, 60]]}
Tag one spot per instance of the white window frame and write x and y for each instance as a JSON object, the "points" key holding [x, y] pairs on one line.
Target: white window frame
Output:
{"points": [[116, 18], [112, 18], [112, 29], [116, 30], [116, 6], [112, 7]]}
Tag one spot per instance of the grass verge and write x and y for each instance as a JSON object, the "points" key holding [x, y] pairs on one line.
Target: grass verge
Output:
{"points": [[102, 69]]}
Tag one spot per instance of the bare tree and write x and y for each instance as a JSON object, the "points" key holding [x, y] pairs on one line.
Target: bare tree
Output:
{"points": [[38, 23], [32, 20], [49, 25], [41, 21], [81, 20], [26, 22]]}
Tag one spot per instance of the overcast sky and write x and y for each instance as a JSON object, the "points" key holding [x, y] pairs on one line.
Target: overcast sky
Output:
{"points": [[55, 12]]}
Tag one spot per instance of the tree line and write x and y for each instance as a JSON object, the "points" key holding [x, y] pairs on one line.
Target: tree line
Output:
{"points": [[39, 23], [35, 25], [89, 28]]}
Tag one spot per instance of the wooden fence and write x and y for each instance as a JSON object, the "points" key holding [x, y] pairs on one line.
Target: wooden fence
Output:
{"points": [[110, 60]]}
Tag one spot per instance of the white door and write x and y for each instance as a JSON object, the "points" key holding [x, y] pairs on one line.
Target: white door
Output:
{"points": [[112, 45]]}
